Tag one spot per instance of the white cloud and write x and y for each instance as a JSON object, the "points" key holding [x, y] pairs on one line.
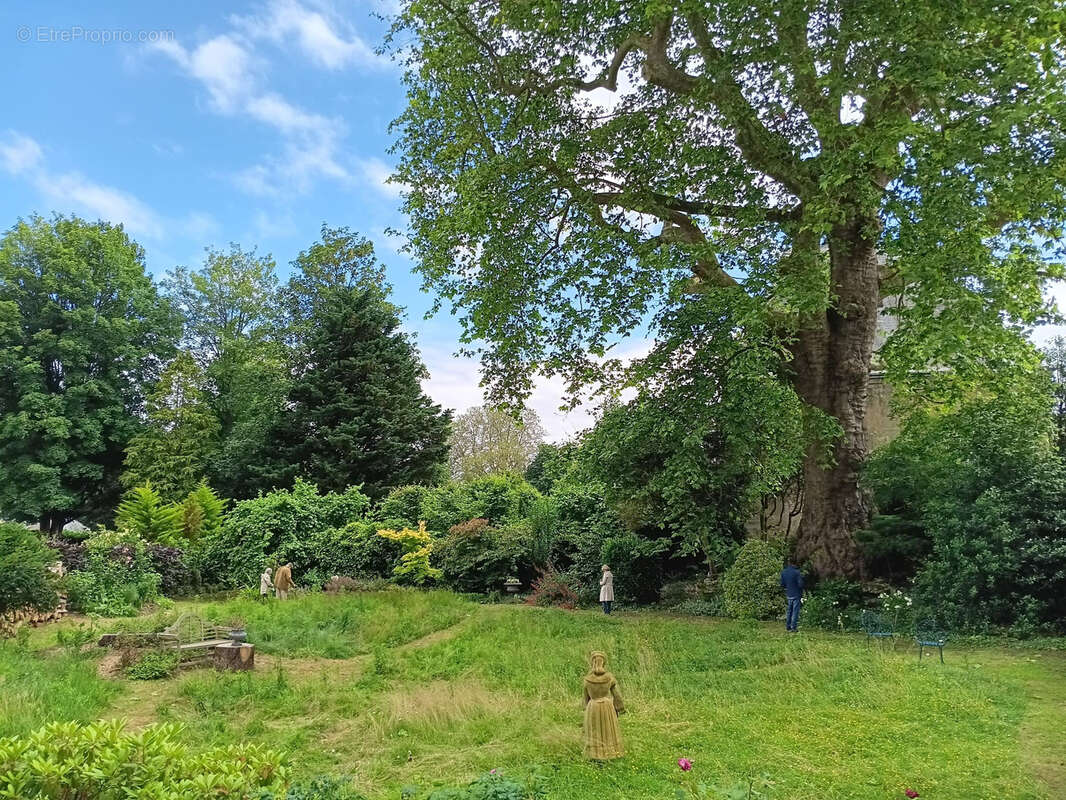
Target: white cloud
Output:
{"points": [[20, 153], [327, 41], [311, 142], [377, 174], [454, 383], [73, 192]]}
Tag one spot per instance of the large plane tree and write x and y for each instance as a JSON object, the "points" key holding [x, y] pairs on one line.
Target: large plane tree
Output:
{"points": [[577, 170]]}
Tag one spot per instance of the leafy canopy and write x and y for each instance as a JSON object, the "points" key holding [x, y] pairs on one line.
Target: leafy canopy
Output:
{"points": [[173, 451], [487, 440], [579, 170], [83, 332]]}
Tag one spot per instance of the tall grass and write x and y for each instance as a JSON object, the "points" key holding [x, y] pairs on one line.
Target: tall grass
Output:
{"points": [[36, 689], [410, 698]]}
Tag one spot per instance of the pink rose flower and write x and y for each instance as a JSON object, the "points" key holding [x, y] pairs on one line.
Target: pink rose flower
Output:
{"points": [[685, 764]]}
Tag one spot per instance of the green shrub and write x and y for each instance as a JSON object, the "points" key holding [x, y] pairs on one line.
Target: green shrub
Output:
{"points": [[498, 498], [637, 565], [143, 513], [100, 761], [752, 585], [25, 562], [322, 788], [994, 531], [492, 786], [275, 528], [117, 579], [472, 557], [356, 549], [404, 504], [154, 664], [834, 604], [413, 566]]}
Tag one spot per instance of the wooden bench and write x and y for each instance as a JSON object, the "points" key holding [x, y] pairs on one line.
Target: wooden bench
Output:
{"points": [[190, 633]]}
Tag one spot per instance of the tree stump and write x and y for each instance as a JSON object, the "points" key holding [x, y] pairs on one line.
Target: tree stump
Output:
{"points": [[234, 656]]}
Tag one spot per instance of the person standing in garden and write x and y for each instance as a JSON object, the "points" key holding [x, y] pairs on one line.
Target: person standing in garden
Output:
{"points": [[266, 584], [283, 581], [606, 589], [792, 583]]}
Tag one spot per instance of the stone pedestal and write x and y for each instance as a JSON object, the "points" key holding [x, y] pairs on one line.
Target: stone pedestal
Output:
{"points": [[234, 656]]}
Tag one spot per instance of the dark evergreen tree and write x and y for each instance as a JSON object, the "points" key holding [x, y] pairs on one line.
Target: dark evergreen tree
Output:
{"points": [[356, 412]]}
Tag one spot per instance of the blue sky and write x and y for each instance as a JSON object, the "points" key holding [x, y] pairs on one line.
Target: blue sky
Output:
{"points": [[197, 126]]}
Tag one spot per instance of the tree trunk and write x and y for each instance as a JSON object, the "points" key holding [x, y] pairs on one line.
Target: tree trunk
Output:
{"points": [[832, 372]]}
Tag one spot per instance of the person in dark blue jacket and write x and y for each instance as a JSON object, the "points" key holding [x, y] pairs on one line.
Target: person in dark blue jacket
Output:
{"points": [[792, 583]]}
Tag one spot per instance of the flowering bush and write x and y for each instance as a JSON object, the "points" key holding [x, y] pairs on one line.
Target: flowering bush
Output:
{"points": [[897, 606], [414, 562]]}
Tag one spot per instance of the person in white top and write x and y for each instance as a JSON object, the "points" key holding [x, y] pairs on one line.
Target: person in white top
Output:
{"points": [[266, 585], [606, 589]]}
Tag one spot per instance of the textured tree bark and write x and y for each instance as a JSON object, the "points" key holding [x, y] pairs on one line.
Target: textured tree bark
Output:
{"points": [[831, 372]]}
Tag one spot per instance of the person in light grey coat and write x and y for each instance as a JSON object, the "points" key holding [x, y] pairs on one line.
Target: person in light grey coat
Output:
{"points": [[606, 589], [266, 584]]}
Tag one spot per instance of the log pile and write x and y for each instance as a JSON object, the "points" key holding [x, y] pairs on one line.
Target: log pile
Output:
{"points": [[11, 620]]}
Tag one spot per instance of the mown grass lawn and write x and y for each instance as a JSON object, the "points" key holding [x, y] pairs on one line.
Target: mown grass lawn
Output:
{"points": [[401, 689]]}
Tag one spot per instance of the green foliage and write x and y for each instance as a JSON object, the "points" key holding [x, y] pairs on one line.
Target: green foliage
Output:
{"points": [[82, 334], [356, 412], [404, 503], [25, 562], [752, 585], [834, 604], [117, 578], [321, 788], [985, 489], [498, 498], [153, 665], [233, 325], [174, 450], [684, 455], [491, 786], [143, 513], [417, 548], [472, 557], [275, 528], [550, 465], [202, 513], [356, 549], [100, 761], [637, 565]]}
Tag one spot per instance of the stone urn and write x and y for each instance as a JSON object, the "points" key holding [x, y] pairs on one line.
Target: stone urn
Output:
{"points": [[238, 635]]}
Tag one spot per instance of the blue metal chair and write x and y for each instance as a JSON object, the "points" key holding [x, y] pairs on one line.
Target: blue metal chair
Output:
{"points": [[876, 626], [928, 634]]}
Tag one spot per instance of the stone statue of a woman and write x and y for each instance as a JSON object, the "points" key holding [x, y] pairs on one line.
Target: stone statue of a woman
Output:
{"points": [[603, 704]]}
